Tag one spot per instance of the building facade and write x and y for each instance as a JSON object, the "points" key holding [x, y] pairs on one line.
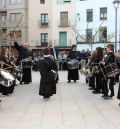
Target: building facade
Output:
{"points": [[13, 21], [50, 23], [96, 23]]}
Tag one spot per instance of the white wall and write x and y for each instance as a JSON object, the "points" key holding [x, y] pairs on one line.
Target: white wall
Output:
{"points": [[96, 5]]}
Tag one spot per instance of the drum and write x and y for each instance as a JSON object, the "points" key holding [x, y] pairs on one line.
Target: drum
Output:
{"points": [[26, 63], [18, 73], [6, 79], [110, 70], [73, 64]]}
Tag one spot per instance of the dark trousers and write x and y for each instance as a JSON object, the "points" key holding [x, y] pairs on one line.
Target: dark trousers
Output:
{"points": [[92, 82], [105, 87], [98, 82], [111, 86]]}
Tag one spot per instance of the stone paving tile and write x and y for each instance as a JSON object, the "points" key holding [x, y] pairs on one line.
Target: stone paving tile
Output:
{"points": [[73, 107]]}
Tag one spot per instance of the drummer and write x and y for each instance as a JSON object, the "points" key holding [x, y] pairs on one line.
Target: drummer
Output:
{"points": [[73, 74], [6, 64], [24, 53], [109, 59]]}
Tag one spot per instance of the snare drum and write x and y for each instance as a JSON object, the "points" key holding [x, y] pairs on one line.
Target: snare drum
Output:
{"points": [[73, 64], [26, 63], [6, 78], [110, 70]]}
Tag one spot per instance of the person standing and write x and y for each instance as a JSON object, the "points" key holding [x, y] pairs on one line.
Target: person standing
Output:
{"points": [[6, 64], [73, 74], [48, 69], [24, 54], [109, 59]]}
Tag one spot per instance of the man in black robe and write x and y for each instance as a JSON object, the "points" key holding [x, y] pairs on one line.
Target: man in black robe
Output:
{"points": [[73, 74], [48, 82], [24, 54]]}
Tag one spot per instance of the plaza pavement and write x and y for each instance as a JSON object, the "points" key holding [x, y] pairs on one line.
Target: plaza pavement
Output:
{"points": [[73, 107]]}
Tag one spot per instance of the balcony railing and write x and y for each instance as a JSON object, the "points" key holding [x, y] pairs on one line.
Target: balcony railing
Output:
{"points": [[63, 1], [9, 42], [43, 24], [64, 24]]}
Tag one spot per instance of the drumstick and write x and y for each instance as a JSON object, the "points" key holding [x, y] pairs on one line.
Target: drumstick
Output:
{"points": [[7, 65], [7, 68]]}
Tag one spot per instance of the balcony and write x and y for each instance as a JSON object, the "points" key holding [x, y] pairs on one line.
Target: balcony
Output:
{"points": [[64, 23], [9, 42], [63, 1], [13, 23], [43, 24]]}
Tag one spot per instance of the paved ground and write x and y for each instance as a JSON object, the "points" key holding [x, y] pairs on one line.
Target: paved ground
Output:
{"points": [[73, 107]]}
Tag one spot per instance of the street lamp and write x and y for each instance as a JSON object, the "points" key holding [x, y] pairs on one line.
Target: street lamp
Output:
{"points": [[78, 15], [116, 6]]}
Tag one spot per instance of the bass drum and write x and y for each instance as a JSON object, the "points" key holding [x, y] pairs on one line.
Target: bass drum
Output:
{"points": [[6, 78]]}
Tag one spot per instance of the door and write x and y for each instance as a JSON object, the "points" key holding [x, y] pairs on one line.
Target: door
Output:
{"points": [[63, 39]]}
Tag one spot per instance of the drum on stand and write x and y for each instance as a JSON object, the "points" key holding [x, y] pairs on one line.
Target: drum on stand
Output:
{"points": [[6, 78]]}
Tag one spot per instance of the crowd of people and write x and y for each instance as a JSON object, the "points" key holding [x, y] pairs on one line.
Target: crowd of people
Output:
{"points": [[103, 66]]}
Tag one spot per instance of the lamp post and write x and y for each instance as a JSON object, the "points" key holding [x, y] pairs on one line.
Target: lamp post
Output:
{"points": [[116, 6]]}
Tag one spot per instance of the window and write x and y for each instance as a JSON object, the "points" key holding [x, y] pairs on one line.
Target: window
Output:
{"points": [[44, 19], [42, 1], [12, 1], [88, 35], [103, 13], [44, 39], [64, 19], [89, 15], [15, 17], [103, 34], [3, 16], [3, 2]]}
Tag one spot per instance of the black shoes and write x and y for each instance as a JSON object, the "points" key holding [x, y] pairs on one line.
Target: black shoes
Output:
{"points": [[74, 80], [0, 100], [69, 81], [26, 82], [96, 92]]}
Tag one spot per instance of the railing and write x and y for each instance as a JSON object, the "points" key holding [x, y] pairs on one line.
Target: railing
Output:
{"points": [[43, 24], [9, 42], [13, 23], [64, 24], [63, 1]]}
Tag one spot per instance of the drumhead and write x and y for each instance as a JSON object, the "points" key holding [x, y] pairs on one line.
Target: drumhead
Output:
{"points": [[7, 75]]}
